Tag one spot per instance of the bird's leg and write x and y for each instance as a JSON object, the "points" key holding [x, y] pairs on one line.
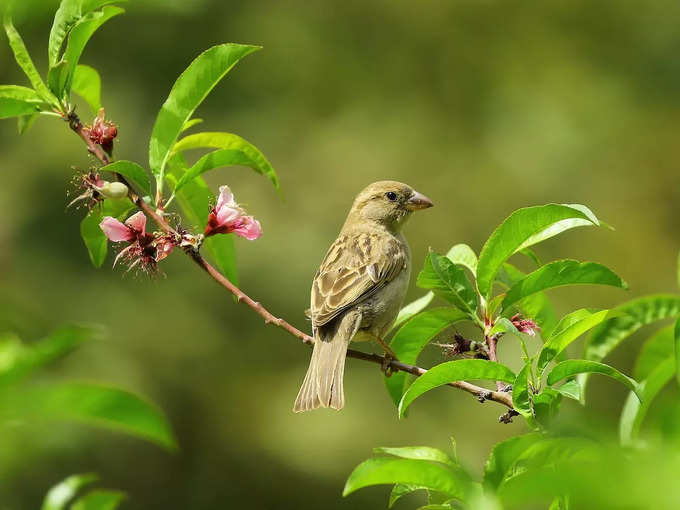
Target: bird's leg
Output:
{"points": [[387, 357]]}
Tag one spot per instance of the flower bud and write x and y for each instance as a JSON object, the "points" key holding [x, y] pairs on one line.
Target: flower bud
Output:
{"points": [[113, 189]]}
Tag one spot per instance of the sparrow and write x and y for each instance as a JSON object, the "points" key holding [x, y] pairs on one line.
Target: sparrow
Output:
{"points": [[359, 288]]}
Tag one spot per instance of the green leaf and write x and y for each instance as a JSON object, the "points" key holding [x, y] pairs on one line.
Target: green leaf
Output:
{"points": [[19, 359], [188, 92], [59, 495], [560, 273], [417, 453], [16, 108], [413, 308], [61, 75], [573, 367], [94, 238], [677, 349], [25, 122], [634, 410], [412, 337], [463, 255], [390, 470], [635, 314], [457, 370], [567, 330], [189, 124], [26, 63], [531, 254], [131, 171], [546, 406], [88, 84], [503, 457], [657, 349], [194, 200], [232, 150], [449, 282], [67, 15], [521, 395], [97, 405], [570, 389], [20, 93], [402, 489], [99, 500], [523, 228]]}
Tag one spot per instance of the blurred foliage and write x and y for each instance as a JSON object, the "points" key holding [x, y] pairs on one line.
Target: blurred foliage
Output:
{"points": [[485, 107]]}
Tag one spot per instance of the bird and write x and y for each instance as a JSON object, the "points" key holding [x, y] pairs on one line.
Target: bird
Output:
{"points": [[359, 287]]}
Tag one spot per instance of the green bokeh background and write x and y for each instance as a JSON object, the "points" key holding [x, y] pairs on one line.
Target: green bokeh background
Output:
{"points": [[484, 106]]}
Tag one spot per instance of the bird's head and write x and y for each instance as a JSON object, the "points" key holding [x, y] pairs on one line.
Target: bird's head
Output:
{"points": [[389, 203]]}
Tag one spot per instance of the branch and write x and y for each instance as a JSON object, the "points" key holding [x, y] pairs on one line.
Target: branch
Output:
{"points": [[482, 394]]}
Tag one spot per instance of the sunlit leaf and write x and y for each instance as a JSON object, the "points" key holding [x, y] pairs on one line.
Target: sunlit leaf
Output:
{"points": [[570, 389], [418, 453], [390, 470], [131, 171], [26, 63], [448, 281], [188, 92], [504, 455], [97, 405], [88, 84], [402, 489], [521, 395], [567, 330], [413, 336], [94, 238], [190, 123], [560, 273], [59, 496], [99, 499], [657, 349], [463, 255], [232, 150], [457, 370], [25, 122], [16, 108], [677, 349], [413, 308], [572, 367], [635, 409], [531, 254], [524, 228], [67, 15]]}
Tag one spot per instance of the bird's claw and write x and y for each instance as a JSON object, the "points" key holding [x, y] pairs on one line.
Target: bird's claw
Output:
{"points": [[386, 365]]}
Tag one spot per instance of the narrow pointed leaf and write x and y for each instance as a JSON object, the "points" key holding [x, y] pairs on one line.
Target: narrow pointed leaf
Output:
{"points": [[16, 108], [67, 15], [97, 405], [26, 63], [95, 240], [402, 489], [634, 409], [570, 389], [413, 308], [657, 349], [418, 453], [567, 330], [573, 367], [524, 228], [458, 370], [412, 337], [59, 496], [188, 92], [132, 172], [390, 470], [449, 282], [232, 150], [25, 122], [88, 84], [99, 499], [503, 457], [531, 254], [189, 124], [194, 200], [560, 273], [463, 255], [521, 395]]}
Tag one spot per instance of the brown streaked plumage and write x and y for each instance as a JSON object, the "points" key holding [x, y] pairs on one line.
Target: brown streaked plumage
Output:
{"points": [[358, 290]]}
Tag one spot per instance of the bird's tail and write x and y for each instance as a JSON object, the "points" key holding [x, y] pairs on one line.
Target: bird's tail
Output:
{"points": [[323, 384]]}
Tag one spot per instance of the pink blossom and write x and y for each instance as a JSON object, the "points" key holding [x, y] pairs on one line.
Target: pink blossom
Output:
{"points": [[526, 326], [116, 231], [227, 217]]}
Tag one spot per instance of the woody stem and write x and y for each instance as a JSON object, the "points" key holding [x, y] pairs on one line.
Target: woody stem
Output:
{"points": [[242, 297]]}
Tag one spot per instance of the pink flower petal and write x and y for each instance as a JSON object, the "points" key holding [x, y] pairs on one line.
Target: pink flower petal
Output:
{"points": [[226, 214], [137, 222], [226, 198], [115, 230], [248, 228]]}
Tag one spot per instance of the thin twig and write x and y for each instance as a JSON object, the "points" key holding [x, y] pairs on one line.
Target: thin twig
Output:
{"points": [[96, 150]]}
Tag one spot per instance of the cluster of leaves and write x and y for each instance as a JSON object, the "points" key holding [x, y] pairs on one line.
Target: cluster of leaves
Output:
{"points": [[74, 23], [467, 284], [73, 401]]}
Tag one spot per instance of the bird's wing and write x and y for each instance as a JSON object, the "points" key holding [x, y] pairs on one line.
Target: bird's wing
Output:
{"points": [[355, 266]]}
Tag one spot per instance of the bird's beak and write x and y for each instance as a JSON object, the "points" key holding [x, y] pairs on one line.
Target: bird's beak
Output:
{"points": [[418, 201]]}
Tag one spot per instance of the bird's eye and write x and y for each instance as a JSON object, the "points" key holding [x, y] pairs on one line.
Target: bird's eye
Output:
{"points": [[391, 196]]}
